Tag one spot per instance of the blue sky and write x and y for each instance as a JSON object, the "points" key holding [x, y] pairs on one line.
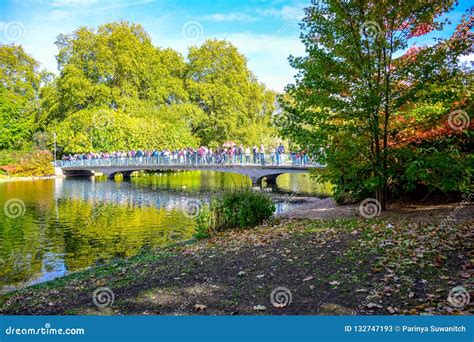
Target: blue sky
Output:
{"points": [[265, 31]]}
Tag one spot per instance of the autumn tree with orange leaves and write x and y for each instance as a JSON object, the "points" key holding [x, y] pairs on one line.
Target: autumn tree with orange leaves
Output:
{"points": [[364, 94]]}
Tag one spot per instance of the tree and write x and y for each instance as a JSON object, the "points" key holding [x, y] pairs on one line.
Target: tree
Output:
{"points": [[115, 66], [20, 80], [220, 83], [360, 73], [104, 129], [212, 95]]}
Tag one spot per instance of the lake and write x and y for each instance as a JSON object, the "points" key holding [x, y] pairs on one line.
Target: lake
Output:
{"points": [[53, 227]]}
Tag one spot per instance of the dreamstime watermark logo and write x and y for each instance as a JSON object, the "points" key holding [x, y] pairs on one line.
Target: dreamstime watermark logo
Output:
{"points": [[289, 198], [459, 297], [103, 297], [103, 119], [458, 120], [14, 31], [284, 120], [369, 208], [281, 297], [287, 25], [198, 288], [192, 208], [14, 208], [467, 199], [374, 293], [192, 30], [370, 30]]}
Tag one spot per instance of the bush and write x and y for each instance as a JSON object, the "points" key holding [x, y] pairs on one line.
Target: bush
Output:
{"points": [[243, 209], [35, 164], [12, 157], [236, 209], [204, 222]]}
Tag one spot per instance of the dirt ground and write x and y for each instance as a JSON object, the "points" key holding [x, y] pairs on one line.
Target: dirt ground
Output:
{"points": [[326, 208], [404, 262]]}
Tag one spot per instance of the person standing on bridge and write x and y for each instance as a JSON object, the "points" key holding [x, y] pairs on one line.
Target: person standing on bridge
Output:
{"points": [[255, 153], [241, 153], [262, 154], [281, 154], [247, 155]]}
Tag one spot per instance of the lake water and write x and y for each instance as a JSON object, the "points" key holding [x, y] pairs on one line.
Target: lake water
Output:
{"points": [[49, 228]]}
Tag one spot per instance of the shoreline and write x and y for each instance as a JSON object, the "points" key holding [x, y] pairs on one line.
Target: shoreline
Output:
{"points": [[29, 178], [331, 267]]}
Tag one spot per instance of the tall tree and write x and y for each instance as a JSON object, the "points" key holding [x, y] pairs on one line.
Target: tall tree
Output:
{"points": [[220, 83], [360, 71], [115, 66], [20, 81]]}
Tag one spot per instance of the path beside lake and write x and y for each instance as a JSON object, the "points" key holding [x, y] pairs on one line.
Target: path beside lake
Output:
{"points": [[326, 208]]}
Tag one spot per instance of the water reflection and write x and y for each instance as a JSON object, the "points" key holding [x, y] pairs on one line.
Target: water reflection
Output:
{"points": [[72, 224]]}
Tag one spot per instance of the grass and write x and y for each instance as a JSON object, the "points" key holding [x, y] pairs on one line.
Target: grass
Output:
{"points": [[332, 266]]}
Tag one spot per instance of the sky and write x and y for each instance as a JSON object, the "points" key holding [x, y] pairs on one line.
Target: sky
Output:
{"points": [[265, 31]]}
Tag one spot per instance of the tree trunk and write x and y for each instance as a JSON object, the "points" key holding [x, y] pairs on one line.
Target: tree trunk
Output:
{"points": [[381, 196]]}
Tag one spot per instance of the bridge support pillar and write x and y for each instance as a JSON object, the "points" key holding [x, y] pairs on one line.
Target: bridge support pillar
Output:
{"points": [[256, 181]]}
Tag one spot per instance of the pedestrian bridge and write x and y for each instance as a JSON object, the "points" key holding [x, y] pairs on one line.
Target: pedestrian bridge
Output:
{"points": [[255, 171]]}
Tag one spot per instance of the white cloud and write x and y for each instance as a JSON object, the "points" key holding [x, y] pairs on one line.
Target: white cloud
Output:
{"points": [[72, 3], [228, 17], [289, 13]]}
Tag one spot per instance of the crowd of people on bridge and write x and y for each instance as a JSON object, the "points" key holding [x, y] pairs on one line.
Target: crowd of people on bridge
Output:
{"points": [[228, 153]]}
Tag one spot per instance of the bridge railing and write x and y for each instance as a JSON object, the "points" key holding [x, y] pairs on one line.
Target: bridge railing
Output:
{"points": [[260, 159]]}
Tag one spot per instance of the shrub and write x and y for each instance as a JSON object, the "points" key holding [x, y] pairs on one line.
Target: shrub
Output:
{"points": [[35, 164], [12, 157], [235, 209], [204, 222], [243, 209]]}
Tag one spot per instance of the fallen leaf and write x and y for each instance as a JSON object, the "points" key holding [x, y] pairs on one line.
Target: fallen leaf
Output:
{"points": [[259, 308], [334, 282], [308, 278], [200, 307]]}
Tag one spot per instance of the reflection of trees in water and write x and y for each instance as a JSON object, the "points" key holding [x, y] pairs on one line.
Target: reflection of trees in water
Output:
{"points": [[303, 184], [102, 231], [124, 193], [72, 224], [85, 224]]}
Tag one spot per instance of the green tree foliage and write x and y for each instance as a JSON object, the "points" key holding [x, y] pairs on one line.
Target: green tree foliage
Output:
{"points": [[237, 107], [362, 80], [109, 130], [20, 81], [166, 100], [115, 66]]}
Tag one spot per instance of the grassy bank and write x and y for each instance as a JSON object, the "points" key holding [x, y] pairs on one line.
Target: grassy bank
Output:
{"points": [[329, 267]]}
